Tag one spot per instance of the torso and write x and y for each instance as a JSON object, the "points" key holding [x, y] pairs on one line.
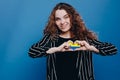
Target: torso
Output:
{"points": [[65, 61]]}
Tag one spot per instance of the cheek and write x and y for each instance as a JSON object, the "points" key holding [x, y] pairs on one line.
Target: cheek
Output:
{"points": [[68, 20], [57, 23]]}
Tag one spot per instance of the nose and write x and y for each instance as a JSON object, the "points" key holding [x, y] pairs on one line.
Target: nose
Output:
{"points": [[62, 21]]}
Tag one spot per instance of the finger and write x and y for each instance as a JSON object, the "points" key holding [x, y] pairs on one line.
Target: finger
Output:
{"points": [[77, 41], [81, 48], [61, 47], [77, 49], [70, 50], [70, 42], [67, 46], [87, 45], [82, 43]]}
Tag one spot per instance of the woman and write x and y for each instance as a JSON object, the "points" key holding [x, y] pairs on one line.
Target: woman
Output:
{"points": [[64, 63]]}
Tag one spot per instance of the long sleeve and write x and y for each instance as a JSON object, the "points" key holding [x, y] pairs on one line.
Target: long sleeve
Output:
{"points": [[104, 47], [39, 49]]}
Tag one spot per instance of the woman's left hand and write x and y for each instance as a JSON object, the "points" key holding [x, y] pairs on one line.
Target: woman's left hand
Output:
{"points": [[85, 46]]}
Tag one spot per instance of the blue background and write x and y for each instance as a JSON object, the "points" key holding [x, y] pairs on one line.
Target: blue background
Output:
{"points": [[22, 23]]}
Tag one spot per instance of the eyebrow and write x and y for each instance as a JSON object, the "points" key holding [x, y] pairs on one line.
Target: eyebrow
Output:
{"points": [[63, 16]]}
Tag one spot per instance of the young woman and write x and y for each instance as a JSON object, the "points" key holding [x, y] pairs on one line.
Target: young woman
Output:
{"points": [[64, 63]]}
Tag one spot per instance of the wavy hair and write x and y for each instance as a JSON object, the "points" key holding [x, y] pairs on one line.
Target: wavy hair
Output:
{"points": [[78, 27]]}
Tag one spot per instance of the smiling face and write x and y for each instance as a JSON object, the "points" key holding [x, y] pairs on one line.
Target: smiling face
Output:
{"points": [[62, 21]]}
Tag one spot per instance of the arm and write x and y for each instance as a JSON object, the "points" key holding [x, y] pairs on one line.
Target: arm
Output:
{"points": [[39, 49], [103, 47]]}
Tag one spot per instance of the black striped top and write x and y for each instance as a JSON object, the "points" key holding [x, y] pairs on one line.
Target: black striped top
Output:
{"points": [[75, 65]]}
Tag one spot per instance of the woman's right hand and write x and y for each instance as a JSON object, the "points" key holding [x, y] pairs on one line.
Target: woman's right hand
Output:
{"points": [[63, 47]]}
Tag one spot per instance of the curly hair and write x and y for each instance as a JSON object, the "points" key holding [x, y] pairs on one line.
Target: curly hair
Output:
{"points": [[78, 27]]}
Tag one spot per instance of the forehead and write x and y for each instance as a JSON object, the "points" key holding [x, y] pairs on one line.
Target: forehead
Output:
{"points": [[60, 13]]}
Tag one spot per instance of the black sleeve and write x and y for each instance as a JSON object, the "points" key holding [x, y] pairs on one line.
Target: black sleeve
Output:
{"points": [[104, 47], [39, 49]]}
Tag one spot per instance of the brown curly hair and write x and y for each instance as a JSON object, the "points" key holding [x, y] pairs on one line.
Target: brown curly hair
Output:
{"points": [[78, 28]]}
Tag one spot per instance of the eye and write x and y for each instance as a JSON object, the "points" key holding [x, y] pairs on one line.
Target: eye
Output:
{"points": [[57, 19], [66, 16]]}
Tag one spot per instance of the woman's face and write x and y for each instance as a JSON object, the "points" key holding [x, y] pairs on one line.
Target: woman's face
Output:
{"points": [[62, 20]]}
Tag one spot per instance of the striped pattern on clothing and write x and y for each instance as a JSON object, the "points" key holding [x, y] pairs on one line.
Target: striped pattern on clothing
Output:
{"points": [[84, 64]]}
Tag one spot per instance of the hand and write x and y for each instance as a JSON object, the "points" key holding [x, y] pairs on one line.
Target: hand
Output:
{"points": [[85, 46], [52, 50], [63, 47]]}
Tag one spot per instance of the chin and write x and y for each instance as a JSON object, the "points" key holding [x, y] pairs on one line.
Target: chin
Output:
{"points": [[64, 31]]}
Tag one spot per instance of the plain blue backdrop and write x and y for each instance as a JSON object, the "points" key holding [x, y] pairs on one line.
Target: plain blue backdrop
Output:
{"points": [[22, 23]]}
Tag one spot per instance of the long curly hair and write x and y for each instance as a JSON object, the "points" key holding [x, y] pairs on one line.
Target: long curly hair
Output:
{"points": [[78, 27]]}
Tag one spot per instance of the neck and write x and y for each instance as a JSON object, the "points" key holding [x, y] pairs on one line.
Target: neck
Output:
{"points": [[66, 35]]}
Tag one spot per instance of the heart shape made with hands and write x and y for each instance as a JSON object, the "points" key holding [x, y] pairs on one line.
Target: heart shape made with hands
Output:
{"points": [[73, 45]]}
